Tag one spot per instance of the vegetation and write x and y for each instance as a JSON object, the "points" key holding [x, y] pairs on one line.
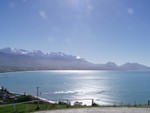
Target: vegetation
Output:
{"points": [[32, 107], [27, 108], [7, 98], [9, 103], [4, 69]]}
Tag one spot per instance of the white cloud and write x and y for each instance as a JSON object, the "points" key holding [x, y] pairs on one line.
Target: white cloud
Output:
{"points": [[43, 14], [12, 5], [130, 11], [24, 0], [90, 8], [78, 57]]}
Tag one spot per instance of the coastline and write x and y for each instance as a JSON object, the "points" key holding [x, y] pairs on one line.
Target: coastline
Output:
{"points": [[43, 99], [17, 79], [56, 70]]}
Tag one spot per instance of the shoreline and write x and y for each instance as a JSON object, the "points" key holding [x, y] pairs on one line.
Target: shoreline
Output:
{"points": [[32, 89], [56, 70], [15, 94], [80, 101], [43, 99]]}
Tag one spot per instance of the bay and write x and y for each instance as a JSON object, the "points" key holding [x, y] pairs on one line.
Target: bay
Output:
{"points": [[105, 87]]}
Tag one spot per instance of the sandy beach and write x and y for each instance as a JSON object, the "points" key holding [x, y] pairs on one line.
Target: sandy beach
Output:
{"points": [[101, 110]]}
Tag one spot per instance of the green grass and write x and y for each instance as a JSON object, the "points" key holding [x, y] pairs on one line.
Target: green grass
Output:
{"points": [[27, 108]]}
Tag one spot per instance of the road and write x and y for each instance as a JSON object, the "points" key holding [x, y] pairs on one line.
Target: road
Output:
{"points": [[101, 110]]}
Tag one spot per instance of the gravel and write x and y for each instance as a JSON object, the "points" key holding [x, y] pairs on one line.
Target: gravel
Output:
{"points": [[100, 110]]}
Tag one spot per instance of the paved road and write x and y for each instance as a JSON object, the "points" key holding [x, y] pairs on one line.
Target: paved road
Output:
{"points": [[100, 110]]}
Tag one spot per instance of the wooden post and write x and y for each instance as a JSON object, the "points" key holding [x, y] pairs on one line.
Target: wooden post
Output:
{"points": [[114, 104], [92, 102], [135, 103], [14, 107], [148, 102], [37, 97]]}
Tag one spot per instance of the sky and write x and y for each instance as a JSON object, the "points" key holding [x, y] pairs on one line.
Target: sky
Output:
{"points": [[97, 30]]}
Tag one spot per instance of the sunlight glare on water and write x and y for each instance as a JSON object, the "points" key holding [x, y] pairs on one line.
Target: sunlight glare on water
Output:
{"points": [[73, 71], [106, 87]]}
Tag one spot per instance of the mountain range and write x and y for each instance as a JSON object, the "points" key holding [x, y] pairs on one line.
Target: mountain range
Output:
{"points": [[12, 59]]}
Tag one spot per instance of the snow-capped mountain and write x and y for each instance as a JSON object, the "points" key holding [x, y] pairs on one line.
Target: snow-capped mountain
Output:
{"points": [[15, 51], [35, 60], [38, 53], [39, 60], [10, 50]]}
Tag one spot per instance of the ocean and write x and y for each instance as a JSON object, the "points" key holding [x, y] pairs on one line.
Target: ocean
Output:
{"points": [[105, 87]]}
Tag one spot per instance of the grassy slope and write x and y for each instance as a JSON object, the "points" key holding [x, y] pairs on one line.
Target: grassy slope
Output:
{"points": [[27, 108]]}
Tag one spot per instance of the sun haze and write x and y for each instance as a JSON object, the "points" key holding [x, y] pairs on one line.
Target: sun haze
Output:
{"points": [[97, 30]]}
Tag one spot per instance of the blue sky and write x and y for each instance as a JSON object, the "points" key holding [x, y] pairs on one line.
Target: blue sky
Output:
{"points": [[97, 30]]}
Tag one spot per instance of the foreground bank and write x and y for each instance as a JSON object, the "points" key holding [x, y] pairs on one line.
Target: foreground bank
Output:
{"points": [[101, 110]]}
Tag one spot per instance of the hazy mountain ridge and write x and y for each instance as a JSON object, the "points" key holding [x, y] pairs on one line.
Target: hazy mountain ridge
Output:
{"points": [[38, 60]]}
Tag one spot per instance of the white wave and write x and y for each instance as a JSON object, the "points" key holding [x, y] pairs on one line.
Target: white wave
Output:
{"points": [[64, 92], [79, 92]]}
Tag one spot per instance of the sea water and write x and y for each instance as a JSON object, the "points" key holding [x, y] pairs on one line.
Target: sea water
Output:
{"points": [[105, 87]]}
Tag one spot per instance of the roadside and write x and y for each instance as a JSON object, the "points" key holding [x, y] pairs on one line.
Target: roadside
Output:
{"points": [[101, 110]]}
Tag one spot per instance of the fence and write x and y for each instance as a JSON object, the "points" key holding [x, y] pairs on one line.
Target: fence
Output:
{"points": [[30, 106], [98, 102]]}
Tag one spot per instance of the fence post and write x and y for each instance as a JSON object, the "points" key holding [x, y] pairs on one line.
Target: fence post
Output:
{"points": [[134, 103], [37, 97], [92, 102], [68, 103], [148, 102], [14, 108], [114, 104]]}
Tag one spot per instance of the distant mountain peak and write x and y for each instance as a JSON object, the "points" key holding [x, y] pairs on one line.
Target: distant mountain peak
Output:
{"points": [[37, 59], [38, 53], [12, 50], [58, 53], [134, 66], [111, 63]]}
